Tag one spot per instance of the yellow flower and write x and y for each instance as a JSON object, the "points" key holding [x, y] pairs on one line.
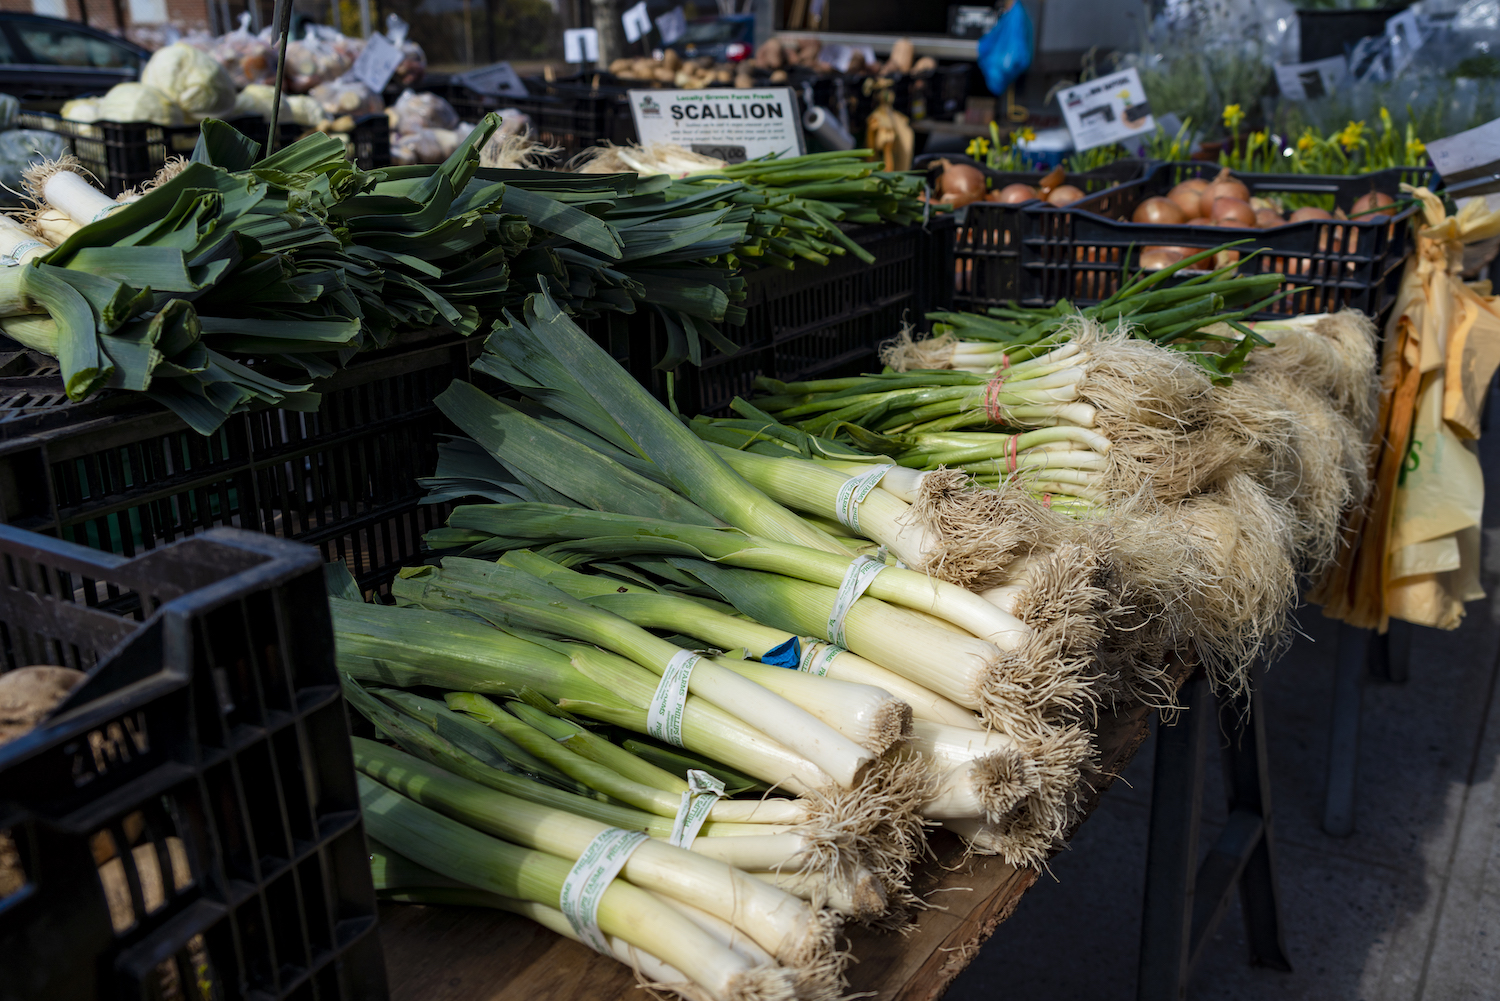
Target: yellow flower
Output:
{"points": [[1025, 134], [1415, 150], [1350, 137], [1257, 138], [978, 147], [1385, 119], [1307, 142], [1233, 116]]}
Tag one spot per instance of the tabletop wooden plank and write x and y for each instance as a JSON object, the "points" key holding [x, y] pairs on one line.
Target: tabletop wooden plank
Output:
{"points": [[467, 954]]}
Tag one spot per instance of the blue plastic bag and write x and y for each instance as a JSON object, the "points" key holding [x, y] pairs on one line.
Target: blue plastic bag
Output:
{"points": [[1005, 50]]}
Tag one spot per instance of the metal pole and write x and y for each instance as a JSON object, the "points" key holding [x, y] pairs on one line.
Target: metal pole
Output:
{"points": [[283, 27], [364, 17]]}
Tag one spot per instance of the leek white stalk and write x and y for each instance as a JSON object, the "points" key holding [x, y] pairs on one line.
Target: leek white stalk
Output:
{"points": [[723, 932], [19, 244], [629, 912], [953, 665], [514, 598], [63, 188], [908, 588], [408, 647], [651, 799], [872, 718], [780, 923], [859, 894], [403, 881], [806, 486], [652, 610], [54, 225]]}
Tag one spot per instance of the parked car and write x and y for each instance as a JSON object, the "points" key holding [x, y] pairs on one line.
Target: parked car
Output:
{"points": [[46, 59], [727, 39]]}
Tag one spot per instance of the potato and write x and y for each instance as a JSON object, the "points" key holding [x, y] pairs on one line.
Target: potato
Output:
{"points": [[744, 81], [28, 694], [769, 56], [671, 60], [663, 74], [620, 65], [926, 64], [778, 76], [723, 76]]}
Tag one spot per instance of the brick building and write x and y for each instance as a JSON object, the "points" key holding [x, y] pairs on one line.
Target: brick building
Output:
{"points": [[132, 17]]}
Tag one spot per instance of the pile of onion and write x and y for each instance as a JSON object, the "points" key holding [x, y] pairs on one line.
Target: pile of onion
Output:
{"points": [[959, 184], [1013, 194]]}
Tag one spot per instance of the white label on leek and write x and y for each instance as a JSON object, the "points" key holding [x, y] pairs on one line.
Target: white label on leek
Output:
{"points": [[818, 657], [664, 717], [24, 247], [853, 493], [703, 791], [857, 579], [590, 876]]}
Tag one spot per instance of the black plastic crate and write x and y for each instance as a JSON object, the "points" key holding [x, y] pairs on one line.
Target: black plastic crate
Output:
{"points": [[126, 155], [116, 472], [1037, 254], [816, 322], [987, 246], [187, 823]]}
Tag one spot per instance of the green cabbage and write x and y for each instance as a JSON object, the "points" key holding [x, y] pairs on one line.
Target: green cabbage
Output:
{"points": [[136, 102], [193, 79]]}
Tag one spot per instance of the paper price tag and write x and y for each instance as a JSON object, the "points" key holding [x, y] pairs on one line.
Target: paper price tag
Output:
{"points": [[377, 62], [581, 45], [703, 791], [734, 125], [672, 25], [1108, 110], [590, 876], [853, 493], [664, 717], [497, 80], [636, 22], [1308, 81]]}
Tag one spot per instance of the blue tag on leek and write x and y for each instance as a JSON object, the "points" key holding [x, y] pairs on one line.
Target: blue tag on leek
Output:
{"points": [[788, 654]]}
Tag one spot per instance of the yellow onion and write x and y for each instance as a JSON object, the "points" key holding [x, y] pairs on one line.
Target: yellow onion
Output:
{"points": [[1159, 211]]}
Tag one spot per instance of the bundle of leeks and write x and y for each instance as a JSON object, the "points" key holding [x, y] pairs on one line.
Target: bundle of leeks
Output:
{"points": [[629, 507]]}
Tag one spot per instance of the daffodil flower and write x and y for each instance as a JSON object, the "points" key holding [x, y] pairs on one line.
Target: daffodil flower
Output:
{"points": [[1233, 116], [978, 147]]}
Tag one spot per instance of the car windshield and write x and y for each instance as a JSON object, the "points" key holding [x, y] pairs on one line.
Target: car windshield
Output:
{"points": [[60, 46], [711, 32]]}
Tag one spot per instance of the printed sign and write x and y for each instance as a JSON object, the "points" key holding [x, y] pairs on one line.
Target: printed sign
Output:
{"points": [[1307, 81], [733, 125], [1468, 156], [636, 22], [581, 45], [672, 25], [497, 80], [377, 62], [1108, 110]]}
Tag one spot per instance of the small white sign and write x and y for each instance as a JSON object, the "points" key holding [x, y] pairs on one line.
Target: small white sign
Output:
{"points": [[148, 11], [672, 25], [581, 45], [1404, 31], [497, 80], [377, 62], [1468, 154], [733, 125], [636, 22], [1308, 81], [1108, 110]]}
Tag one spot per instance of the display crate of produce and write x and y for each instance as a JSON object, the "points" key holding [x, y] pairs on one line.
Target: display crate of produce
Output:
{"points": [[1042, 253], [119, 473], [571, 116], [987, 246], [816, 322], [186, 824], [124, 155]]}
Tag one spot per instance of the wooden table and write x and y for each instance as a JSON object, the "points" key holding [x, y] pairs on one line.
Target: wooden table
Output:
{"points": [[466, 954]]}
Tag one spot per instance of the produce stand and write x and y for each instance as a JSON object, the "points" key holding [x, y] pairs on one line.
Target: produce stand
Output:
{"points": [[464, 954]]}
